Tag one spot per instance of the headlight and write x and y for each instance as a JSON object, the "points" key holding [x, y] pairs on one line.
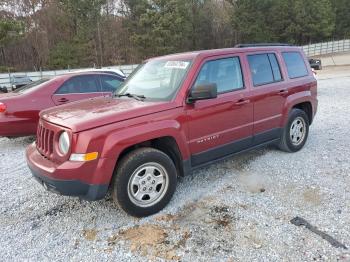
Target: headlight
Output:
{"points": [[64, 143]]}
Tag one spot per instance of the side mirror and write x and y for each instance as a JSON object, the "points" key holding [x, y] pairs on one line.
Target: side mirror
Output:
{"points": [[202, 92]]}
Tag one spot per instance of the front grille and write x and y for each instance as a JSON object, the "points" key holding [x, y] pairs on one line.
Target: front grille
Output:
{"points": [[44, 141]]}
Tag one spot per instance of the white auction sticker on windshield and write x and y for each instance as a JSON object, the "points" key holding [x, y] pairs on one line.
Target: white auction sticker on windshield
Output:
{"points": [[176, 64]]}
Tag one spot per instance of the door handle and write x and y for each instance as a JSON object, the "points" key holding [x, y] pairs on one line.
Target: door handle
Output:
{"points": [[63, 100], [242, 102], [283, 92]]}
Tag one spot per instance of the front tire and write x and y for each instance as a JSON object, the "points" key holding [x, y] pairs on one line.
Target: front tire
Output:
{"points": [[144, 182], [295, 132]]}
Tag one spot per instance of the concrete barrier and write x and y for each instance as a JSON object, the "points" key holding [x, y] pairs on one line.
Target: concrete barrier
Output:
{"points": [[339, 59]]}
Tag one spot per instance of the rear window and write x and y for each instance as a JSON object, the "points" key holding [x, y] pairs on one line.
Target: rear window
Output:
{"points": [[31, 87], [264, 69], [295, 64]]}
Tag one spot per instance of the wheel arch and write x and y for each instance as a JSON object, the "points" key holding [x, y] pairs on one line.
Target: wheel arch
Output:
{"points": [[302, 101], [166, 144], [307, 108]]}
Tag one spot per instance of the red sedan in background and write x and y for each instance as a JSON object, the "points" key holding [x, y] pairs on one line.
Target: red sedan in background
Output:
{"points": [[19, 110]]}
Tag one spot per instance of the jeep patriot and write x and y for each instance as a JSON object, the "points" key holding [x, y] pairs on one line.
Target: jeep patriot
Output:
{"points": [[174, 114]]}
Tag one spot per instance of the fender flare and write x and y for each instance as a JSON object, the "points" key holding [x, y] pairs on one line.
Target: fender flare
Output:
{"points": [[292, 100], [119, 140]]}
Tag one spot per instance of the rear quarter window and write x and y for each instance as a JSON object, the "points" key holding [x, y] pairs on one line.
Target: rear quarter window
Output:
{"points": [[295, 64], [110, 83]]}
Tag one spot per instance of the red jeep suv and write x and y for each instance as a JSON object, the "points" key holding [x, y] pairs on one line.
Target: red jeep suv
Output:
{"points": [[174, 114]]}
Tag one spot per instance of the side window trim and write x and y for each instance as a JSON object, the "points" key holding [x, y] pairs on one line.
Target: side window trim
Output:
{"points": [[221, 58], [278, 66], [98, 82]]}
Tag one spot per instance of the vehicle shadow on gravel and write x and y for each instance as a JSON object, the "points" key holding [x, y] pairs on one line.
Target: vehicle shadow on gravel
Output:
{"points": [[17, 141]]}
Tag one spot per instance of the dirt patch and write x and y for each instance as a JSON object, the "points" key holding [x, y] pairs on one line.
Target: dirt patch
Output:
{"points": [[252, 182], [220, 216], [152, 241], [166, 217], [90, 234], [205, 212], [253, 237], [312, 196], [171, 238], [144, 236]]}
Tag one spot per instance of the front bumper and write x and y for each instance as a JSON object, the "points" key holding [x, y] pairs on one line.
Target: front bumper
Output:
{"points": [[72, 187], [68, 178]]}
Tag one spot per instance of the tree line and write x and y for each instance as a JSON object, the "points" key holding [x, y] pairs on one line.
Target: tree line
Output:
{"points": [[56, 34]]}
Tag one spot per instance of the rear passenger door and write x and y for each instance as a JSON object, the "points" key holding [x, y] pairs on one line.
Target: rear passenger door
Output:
{"points": [[223, 125], [269, 95], [77, 88]]}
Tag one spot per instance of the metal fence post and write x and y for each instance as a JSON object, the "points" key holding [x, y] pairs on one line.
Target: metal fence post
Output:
{"points": [[8, 70]]}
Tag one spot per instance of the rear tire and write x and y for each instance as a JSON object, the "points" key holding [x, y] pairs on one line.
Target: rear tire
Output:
{"points": [[144, 182], [295, 132]]}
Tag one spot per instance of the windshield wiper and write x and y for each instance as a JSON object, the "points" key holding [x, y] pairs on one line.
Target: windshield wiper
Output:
{"points": [[137, 97]]}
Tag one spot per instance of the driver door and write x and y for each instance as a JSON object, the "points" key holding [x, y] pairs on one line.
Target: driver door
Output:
{"points": [[224, 125]]}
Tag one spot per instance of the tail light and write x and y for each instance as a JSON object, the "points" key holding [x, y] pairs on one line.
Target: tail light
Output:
{"points": [[2, 108]]}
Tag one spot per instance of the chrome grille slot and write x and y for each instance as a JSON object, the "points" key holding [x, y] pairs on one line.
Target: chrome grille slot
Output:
{"points": [[44, 141]]}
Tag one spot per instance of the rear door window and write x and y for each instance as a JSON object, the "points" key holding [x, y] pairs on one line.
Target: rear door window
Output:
{"points": [[264, 69], [80, 85], [226, 73], [295, 64], [110, 83]]}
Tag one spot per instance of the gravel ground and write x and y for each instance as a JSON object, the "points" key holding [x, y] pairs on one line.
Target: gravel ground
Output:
{"points": [[236, 210]]}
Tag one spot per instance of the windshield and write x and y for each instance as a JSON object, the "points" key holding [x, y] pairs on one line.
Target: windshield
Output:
{"points": [[156, 80], [34, 85]]}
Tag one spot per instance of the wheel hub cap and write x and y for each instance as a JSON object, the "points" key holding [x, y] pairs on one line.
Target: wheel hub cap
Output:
{"points": [[297, 131], [148, 184]]}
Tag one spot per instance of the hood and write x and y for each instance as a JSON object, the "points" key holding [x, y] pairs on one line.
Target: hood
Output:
{"points": [[95, 112]]}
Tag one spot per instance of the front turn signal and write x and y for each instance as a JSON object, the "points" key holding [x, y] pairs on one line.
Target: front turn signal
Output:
{"points": [[83, 157]]}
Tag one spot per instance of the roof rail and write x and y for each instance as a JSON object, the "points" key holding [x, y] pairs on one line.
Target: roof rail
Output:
{"points": [[261, 44]]}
